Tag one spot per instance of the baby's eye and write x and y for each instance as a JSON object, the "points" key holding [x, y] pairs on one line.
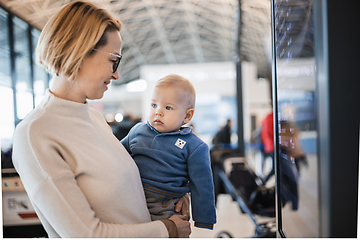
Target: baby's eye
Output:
{"points": [[169, 108], [153, 105]]}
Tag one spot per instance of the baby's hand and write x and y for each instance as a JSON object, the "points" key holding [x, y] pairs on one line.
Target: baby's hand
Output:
{"points": [[183, 205]]}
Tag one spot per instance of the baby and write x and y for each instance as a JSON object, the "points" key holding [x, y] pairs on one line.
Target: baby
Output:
{"points": [[171, 159]]}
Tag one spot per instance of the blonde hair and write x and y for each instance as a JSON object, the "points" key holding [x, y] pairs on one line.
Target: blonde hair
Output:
{"points": [[182, 84], [71, 34]]}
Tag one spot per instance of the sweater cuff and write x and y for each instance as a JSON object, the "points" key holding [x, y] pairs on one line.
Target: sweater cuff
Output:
{"points": [[171, 227], [204, 225]]}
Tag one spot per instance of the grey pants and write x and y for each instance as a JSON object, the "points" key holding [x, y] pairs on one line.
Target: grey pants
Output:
{"points": [[160, 206]]}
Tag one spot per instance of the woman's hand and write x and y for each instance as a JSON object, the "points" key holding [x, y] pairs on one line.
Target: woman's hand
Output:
{"points": [[183, 205], [182, 225]]}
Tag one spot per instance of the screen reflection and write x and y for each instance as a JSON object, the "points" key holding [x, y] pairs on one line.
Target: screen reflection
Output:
{"points": [[295, 87]]}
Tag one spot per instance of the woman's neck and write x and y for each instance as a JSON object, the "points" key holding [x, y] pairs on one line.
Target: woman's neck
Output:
{"points": [[66, 89]]}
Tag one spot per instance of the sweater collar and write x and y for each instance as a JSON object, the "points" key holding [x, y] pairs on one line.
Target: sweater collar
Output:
{"points": [[66, 107], [182, 131]]}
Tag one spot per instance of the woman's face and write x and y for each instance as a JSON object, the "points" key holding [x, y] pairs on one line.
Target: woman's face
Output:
{"points": [[96, 70]]}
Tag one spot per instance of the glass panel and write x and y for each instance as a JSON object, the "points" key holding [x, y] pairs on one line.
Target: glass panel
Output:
{"points": [[22, 56], [40, 84], [5, 79], [7, 118], [35, 34], [40, 75], [7, 122], [24, 98], [297, 131], [24, 103]]}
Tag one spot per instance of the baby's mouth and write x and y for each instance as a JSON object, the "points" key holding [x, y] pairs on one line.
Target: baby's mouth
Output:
{"points": [[158, 121]]}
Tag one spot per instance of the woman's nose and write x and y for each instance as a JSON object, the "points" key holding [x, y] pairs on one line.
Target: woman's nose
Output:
{"points": [[116, 75]]}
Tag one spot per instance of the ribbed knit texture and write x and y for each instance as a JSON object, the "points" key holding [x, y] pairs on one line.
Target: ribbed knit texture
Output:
{"points": [[78, 176]]}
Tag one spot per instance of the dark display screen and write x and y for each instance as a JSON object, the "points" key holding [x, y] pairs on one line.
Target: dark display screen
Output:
{"points": [[295, 89]]}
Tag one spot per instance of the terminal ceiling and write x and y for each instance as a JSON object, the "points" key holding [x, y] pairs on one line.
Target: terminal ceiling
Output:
{"points": [[176, 31]]}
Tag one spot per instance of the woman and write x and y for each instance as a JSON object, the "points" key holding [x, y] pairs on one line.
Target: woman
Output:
{"points": [[79, 178]]}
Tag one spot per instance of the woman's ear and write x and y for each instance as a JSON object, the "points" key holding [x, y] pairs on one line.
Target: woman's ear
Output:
{"points": [[189, 115]]}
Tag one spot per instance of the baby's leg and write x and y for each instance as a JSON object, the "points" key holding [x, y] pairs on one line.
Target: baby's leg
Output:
{"points": [[160, 206]]}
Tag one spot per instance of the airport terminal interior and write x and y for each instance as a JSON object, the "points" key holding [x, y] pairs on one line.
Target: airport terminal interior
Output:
{"points": [[277, 103]]}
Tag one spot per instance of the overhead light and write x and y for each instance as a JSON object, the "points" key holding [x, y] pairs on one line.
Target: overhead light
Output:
{"points": [[136, 86], [119, 117]]}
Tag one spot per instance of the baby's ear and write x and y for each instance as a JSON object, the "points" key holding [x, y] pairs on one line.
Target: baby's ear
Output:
{"points": [[189, 115]]}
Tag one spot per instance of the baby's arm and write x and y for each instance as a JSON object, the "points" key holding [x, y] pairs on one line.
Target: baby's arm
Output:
{"points": [[125, 143], [202, 188]]}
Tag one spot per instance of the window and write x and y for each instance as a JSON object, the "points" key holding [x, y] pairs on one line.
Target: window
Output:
{"points": [[24, 95], [40, 75], [22, 82], [6, 93]]}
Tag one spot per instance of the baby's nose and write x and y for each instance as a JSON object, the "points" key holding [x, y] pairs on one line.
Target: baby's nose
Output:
{"points": [[159, 112]]}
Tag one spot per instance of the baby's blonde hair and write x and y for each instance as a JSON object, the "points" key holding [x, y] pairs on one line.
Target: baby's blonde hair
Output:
{"points": [[182, 84], [71, 34]]}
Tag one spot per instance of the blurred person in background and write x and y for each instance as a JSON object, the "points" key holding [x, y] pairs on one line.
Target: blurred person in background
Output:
{"points": [[267, 139], [122, 128], [222, 138], [291, 145]]}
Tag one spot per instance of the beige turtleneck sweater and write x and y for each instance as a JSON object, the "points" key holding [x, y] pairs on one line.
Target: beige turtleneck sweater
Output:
{"points": [[79, 178]]}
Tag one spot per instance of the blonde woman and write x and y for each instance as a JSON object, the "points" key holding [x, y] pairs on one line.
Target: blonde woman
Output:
{"points": [[79, 178]]}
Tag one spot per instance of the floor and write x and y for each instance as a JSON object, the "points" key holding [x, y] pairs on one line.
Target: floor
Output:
{"points": [[229, 219], [302, 223]]}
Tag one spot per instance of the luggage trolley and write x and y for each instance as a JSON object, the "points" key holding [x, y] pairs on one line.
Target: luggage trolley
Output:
{"points": [[233, 176]]}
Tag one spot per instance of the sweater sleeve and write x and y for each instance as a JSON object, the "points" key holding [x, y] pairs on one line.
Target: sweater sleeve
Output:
{"points": [[126, 140], [59, 201], [202, 188]]}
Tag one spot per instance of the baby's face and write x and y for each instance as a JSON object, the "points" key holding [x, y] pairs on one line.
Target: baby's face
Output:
{"points": [[167, 109]]}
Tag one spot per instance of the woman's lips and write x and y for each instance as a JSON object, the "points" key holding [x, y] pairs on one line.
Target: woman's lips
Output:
{"points": [[106, 84]]}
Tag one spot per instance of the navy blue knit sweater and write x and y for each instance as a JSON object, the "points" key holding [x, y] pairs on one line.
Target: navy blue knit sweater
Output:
{"points": [[175, 163]]}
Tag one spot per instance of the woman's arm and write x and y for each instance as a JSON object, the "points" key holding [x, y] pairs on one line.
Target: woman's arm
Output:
{"points": [[178, 226], [65, 209], [58, 197]]}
